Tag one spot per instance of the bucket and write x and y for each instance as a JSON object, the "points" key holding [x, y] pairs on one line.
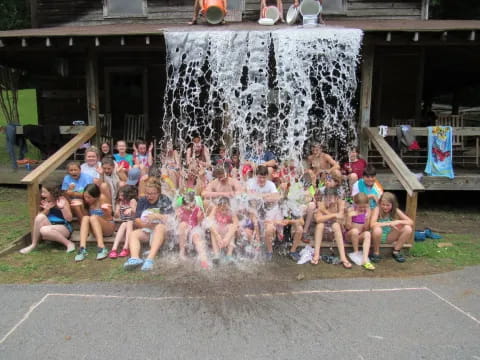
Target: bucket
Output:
{"points": [[214, 11], [271, 12], [310, 7], [310, 20]]}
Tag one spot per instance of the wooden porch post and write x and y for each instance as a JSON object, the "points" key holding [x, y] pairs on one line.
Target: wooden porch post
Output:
{"points": [[33, 195], [366, 97], [411, 211], [91, 81]]}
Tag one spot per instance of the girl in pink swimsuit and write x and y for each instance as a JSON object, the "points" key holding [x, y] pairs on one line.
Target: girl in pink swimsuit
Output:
{"points": [[190, 217], [358, 225], [223, 226]]}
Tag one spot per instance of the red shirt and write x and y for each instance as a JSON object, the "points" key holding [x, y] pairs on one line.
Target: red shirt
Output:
{"points": [[356, 167]]}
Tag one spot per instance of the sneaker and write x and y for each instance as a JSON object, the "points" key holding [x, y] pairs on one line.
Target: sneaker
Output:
{"points": [[113, 254], [204, 265], [132, 263], [102, 253], [81, 255], [268, 256], [124, 253], [295, 256], [147, 265], [376, 258], [398, 256], [229, 259], [216, 259], [368, 266]]}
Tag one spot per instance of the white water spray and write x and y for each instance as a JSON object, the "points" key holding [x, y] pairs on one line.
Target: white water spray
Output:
{"points": [[222, 85]]}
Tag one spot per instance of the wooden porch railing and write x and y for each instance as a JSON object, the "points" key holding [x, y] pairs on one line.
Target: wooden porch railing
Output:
{"points": [[408, 180], [35, 178]]}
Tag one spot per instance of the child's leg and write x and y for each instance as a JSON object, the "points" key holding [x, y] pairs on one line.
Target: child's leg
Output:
{"points": [[101, 227], [57, 233], [353, 236], [298, 232], [400, 237], [157, 241], [182, 237], [78, 211], [40, 220], [366, 238], [308, 218], [280, 9], [269, 234], [215, 240], [128, 231], [84, 231], [337, 231], [376, 239], [136, 237], [199, 244], [318, 241], [121, 234], [229, 238], [262, 6]]}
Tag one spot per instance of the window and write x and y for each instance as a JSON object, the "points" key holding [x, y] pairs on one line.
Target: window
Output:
{"points": [[124, 8]]}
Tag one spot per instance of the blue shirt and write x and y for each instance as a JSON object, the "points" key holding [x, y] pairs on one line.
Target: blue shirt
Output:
{"points": [[128, 158], [80, 183], [260, 158]]}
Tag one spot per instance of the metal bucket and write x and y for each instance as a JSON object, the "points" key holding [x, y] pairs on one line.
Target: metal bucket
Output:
{"points": [[214, 11], [310, 7], [310, 20], [271, 12]]}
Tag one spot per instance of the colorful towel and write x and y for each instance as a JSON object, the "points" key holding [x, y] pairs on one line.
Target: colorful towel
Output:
{"points": [[439, 162]]}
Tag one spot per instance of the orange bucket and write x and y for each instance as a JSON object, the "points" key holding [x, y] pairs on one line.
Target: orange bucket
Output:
{"points": [[214, 11]]}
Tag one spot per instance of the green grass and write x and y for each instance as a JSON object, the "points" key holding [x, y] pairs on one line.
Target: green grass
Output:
{"points": [[464, 252], [27, 111], [14, 221]]}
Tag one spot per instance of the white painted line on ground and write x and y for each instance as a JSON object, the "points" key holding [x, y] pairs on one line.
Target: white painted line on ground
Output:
{"points": [[25, 317], [161, 298], [470, 316]]}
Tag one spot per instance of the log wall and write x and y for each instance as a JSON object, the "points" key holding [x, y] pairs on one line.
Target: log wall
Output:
{"points": [[85, 12]]}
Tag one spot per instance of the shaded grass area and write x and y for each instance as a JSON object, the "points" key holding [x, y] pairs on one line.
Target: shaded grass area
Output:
{"points": [[14, 220]]}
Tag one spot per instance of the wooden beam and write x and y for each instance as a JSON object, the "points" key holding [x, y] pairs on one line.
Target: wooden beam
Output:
{"points": [[408, 180], [45, 168], [64, 129], [366, 96], [411, 211], [423, 131], [33, 201], [93, 103]]}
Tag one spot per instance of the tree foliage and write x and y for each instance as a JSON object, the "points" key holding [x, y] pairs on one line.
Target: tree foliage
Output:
{"points": [[13, 14]]}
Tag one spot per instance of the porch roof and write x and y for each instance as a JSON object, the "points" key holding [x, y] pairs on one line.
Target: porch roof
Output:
{"points": [[159, 29]]}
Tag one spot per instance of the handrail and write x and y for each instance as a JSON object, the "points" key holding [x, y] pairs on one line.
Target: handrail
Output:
{"points": [[408, 180], [423, 131], [49, 165], [39, 174]]}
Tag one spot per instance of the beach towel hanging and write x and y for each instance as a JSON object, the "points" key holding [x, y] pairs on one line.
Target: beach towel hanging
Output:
{"points": [[440, 154]]}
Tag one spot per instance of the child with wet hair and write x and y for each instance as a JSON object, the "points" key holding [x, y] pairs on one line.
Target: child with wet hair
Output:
{"points": [[125, 208], [223, 225], [358, 226], [190, 217], [73, 185], [330, 218]]}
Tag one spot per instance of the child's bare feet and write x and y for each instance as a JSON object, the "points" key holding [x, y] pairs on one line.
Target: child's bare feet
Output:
{"points": [[193, 22], [27, 249]]}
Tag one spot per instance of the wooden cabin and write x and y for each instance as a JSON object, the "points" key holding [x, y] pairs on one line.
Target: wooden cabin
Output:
{"points": [[85, 57]]}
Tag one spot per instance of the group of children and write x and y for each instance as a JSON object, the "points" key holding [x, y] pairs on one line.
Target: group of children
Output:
{"points": [[220, 207]]}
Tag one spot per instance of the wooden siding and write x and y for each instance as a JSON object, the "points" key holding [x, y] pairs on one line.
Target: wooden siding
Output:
{"points": [[90, 12]]}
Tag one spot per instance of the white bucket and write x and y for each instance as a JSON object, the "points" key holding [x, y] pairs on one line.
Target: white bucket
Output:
{"points": [[214, 15], [310, 20], [310, 7], [271, 12], [292, 15]]}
